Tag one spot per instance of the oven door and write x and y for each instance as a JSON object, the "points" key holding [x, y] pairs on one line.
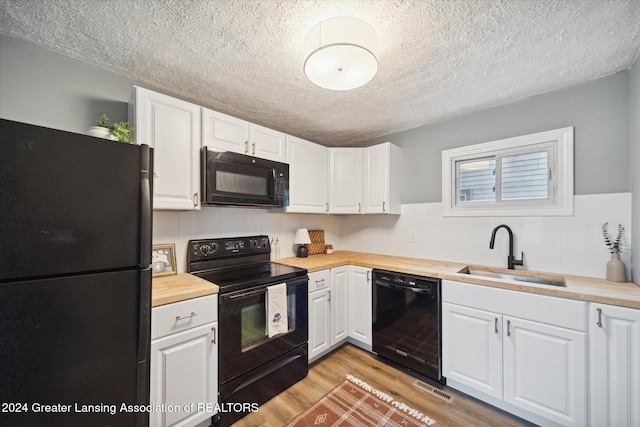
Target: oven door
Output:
{"points": [[244, 343], [406, 327]]}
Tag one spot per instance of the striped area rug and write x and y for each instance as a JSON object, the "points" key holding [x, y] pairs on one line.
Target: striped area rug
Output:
{"points": [[356, 403]]}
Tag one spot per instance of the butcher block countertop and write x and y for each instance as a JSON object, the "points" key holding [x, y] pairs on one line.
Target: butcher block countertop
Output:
{"points": [[577, 287], [179, 287]]}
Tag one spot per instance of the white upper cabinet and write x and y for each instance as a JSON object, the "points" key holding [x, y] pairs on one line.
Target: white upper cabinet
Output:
{"points": [[266, 143], [365, 180], [239, 136], [224, 132], [345, 180], [308, 176], [382, 168], [172, 127]]}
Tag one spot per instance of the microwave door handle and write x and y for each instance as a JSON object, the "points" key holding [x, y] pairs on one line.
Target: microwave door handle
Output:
{"points": [[273, 180]]}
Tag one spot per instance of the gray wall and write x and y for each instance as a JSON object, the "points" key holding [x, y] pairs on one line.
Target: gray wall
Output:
{"points": [[48, 89], [598, 110], [634, 136], [42, 87]]}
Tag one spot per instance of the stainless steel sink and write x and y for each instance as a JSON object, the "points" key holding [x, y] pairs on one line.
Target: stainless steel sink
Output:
{"points": [[516, 277]]}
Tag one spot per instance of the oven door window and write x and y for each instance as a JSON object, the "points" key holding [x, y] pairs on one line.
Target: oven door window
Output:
{"points": [[253, 324], [241, 181], [244, 342]]}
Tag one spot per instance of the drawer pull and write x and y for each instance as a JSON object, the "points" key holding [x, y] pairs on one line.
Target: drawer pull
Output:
{"points": [[193, 314], [320, 281]]}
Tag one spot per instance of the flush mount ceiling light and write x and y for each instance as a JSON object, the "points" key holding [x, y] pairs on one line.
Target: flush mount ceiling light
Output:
{"points": [[341, 53]]}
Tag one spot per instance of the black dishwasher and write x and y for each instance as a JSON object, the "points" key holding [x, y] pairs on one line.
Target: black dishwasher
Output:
{"points": [[406, 321]]}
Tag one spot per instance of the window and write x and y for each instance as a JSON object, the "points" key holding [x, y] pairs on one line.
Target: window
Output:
{"points": [[527, 175]]}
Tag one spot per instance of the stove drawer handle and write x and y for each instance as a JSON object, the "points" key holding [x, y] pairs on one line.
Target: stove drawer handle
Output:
{"points": [[193, 314]]}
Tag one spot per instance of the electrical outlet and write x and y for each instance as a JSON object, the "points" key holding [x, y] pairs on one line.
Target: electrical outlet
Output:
{"points": [[412, 236]]}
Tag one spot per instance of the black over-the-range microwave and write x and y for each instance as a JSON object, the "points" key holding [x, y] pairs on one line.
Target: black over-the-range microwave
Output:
{"points": [[234, 179]]}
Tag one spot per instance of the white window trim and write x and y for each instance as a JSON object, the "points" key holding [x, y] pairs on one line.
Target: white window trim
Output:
{"points": [[563, 205]]}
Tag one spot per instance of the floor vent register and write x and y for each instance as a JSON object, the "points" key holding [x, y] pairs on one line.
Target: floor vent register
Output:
{"points": [[434, 391]]}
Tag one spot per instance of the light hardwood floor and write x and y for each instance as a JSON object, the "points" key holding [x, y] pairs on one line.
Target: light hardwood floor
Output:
{"points": [[330, 371]]}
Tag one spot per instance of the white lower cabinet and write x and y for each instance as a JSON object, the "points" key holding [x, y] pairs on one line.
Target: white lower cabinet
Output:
{"points": [[184, 362], [328, 325], [545, 370], [614, 365], [339, 301], [466, 328], [319, 313], [525, 353], [360, 316]]}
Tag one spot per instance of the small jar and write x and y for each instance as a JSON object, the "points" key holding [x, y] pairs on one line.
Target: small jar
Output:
{"points": [[328, 249]]}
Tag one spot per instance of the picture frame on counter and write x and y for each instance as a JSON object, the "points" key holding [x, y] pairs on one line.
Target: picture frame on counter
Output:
{"points": [[163, 260]]}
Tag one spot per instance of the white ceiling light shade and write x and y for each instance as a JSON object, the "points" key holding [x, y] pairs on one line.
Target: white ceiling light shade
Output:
{"points": [[341, 53]]}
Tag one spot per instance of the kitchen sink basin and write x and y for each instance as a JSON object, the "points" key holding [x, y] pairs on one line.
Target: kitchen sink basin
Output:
{"points": [[558, 281]]}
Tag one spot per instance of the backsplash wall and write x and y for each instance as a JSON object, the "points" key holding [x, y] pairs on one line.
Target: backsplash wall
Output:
{"points": [[213, 222], [569, 245]]}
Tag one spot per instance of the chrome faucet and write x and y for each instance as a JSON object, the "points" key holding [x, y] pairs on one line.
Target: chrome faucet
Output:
{"points": [[511, 261]]}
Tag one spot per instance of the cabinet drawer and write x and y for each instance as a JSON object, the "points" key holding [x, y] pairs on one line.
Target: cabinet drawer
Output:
{"points": [[319, 280], [555, 311], [180, 316]]}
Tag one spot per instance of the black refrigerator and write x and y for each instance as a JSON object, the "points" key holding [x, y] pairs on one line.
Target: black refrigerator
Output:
{"points": [[75, 283]]}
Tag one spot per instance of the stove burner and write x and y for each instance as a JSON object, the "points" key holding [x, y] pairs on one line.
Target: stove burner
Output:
{"points": [[237, 263]]}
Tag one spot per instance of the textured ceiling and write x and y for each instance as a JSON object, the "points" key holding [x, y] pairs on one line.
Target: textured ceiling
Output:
{"points": [[437, 59]]}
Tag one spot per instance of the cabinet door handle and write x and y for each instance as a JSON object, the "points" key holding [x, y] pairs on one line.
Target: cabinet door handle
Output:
{"points": [[327, 205], [495, 325], [368, 275], [214, 335], [195, 199], [329, 296], [193, 314], [508, 328], [253, 148], [384, 209], [359, 208], [599, 322], [246, 147]]}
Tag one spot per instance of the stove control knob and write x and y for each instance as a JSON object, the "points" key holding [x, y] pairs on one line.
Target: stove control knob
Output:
{"points": [[205, 249]]}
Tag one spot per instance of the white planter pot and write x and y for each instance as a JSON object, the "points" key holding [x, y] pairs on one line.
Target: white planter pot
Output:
{"points": [[101, 132]]}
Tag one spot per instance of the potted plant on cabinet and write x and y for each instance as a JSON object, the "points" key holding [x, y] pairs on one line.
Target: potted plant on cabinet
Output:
{"points": [[118, 131]]}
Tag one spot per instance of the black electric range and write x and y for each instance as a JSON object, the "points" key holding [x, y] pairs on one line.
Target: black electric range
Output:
{"points": [[254, 366]]}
